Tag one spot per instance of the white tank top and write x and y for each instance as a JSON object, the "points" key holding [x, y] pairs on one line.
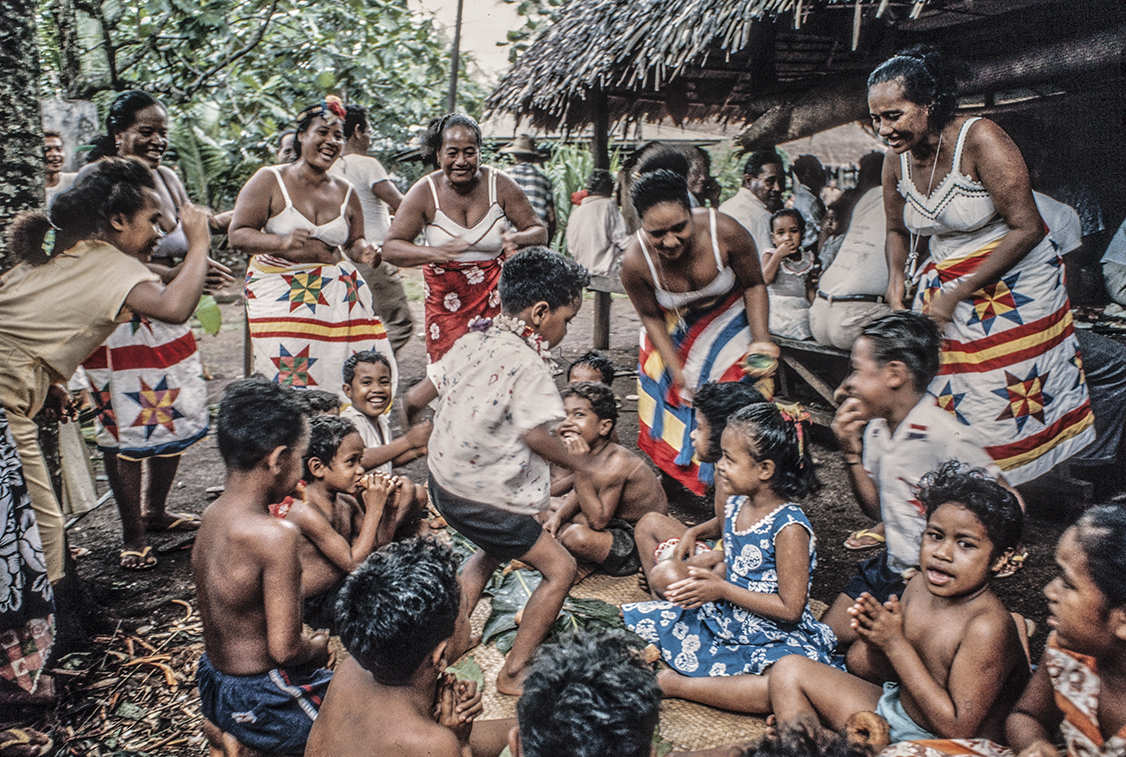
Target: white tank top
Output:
{"points": [[484, 237], [720, 285], [334, 233]]}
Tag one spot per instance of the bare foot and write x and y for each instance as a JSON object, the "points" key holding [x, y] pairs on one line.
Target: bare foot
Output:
{"points": [[510, 684], [171, 522]]}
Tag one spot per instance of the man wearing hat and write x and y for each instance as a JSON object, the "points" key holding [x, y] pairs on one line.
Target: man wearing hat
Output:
{"points": [[535, 183]]}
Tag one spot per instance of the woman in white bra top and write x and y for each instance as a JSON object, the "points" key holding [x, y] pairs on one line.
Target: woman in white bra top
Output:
{"points": [[469, 216], [307, 305], [693, 276]]}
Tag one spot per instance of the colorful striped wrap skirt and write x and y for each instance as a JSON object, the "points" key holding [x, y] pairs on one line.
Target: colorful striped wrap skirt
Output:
{"points": [[712, 344], [1011, 368], [147, 384], [307, 319]]}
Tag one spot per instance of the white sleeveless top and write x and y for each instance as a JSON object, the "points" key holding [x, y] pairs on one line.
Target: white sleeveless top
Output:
{"points": [[484, 237], [334, 233], [717, 287], [958, 205]]}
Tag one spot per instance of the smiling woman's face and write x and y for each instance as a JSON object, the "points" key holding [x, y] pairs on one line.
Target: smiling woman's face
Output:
{"points": [[322, 142], [899, 121], [459, 154], [147, 137]]}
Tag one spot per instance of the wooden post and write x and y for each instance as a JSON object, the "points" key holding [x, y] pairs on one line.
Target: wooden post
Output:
{"points": [[601, 338], [600, 144], [451, 100]]}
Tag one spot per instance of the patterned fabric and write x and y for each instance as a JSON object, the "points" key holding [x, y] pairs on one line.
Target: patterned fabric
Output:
{"points": [[947, 748], [457, 294], [307, 319], [147, 384], [723, 639], [1075, 679], [537, 187], [1011, 368], [494, 386], [27, 620], [711, 345]]}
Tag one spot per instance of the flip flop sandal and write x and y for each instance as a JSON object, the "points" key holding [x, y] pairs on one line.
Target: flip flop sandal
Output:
{"points": [[24, 742], [865, 538], [145, 558], [179, 522], [1012, 564]]}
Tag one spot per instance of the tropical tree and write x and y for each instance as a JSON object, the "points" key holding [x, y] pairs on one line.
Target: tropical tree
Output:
{"points": [[21, 149]]}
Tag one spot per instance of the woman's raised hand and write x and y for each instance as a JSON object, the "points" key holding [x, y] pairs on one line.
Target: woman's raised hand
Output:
{"points": [[195, 221], [218, 276]]}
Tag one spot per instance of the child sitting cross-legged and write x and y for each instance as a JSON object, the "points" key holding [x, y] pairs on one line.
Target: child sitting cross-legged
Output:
{"points": [[396, 615], [1080, 685], [488, 455], [722, 633], [367, 384], [339, 531], [949, 648], [588, 695], [260, 680], [596, 518], [666, 546], [892, 433]]}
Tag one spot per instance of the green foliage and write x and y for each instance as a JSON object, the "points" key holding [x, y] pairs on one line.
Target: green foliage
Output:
{"points": [[209, 315], [538, 14], [233, 73]]}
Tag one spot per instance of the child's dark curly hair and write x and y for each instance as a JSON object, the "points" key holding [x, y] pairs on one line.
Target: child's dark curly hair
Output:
{"points": [[589, 695], [996, 507], [799, 219], [772, 437], [536, 274], [796, 741], [1101, 532], [717, 401], [318, 401], [599, 362], [326, 432], [398, 606], [256, 416], [600, 397], [363, 356]]}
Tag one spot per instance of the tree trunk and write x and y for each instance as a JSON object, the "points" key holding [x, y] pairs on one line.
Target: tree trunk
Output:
{"points": [[21, 149], [784, 116], [70, 65]]}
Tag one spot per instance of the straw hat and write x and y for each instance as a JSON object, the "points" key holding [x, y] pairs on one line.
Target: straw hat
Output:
{"points": [[523, 147]]}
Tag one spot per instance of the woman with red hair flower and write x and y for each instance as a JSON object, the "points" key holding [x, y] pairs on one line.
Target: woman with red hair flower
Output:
{"points": [[306, 304]]}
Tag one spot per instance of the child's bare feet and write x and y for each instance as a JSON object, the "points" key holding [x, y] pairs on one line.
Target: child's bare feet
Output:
{"points": [[511, 683]]}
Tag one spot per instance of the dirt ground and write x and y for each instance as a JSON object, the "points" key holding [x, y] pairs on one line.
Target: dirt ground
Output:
{"points": [[113, 707]]}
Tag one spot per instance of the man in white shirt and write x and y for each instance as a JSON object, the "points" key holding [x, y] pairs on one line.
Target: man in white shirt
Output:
{"points": [[377, 193], [758, 198], [596, 233], [54, 179]]}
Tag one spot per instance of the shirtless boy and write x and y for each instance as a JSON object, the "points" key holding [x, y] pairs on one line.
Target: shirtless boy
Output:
{"points": [[595, 520], [398, 611], [949, 646], [260, 680], [339, 532]]}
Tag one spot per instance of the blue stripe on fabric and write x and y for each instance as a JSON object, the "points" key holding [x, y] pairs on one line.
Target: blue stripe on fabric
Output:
{"points": [[738, 323]]}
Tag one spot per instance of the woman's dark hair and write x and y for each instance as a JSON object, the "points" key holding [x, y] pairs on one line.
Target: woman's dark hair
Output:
{"points": [[1101, 533], [304, 119], [909, 337], [436, 132], [996, 507], [101, 191], [398, 606], [928, 80], [718, 401], [326, 432], [659, 186], [785, 442], [600, 182], [667, 158], [536, 274], [357, 116], [122, 114], [788, 213]]}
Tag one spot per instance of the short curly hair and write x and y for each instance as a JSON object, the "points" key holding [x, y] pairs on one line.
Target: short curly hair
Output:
{"points": [[589, 695], [954, 482], [536, 274], [398, 606], [600, 397]]}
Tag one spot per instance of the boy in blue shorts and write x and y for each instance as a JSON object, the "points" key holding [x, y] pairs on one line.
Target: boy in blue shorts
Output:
{"points": [[493, 438], [260, 678]]}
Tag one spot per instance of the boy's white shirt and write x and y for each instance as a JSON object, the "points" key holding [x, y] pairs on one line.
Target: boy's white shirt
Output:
{"points": [[372, 436], [925, 438], [493, 387]]}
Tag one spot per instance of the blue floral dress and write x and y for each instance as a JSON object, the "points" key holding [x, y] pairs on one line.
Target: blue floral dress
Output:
{"points": [[723, 639]]}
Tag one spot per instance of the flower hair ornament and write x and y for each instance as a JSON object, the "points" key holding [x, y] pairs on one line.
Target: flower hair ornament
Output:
{"points": [[797, 415], [331, 109]]}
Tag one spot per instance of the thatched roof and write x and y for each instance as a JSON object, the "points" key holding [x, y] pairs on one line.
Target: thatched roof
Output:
{"points": [[708, 59]]}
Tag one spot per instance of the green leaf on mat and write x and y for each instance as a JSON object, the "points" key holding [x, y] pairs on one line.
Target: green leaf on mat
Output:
{"points": [[468, 669]]}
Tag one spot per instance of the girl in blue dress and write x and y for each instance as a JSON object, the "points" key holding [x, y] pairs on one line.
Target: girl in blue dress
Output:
{"points": [[722, 627]]}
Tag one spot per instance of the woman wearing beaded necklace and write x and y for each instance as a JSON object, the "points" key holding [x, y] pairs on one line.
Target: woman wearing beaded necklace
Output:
{"points": [[693, 276], [1011, 368]]}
